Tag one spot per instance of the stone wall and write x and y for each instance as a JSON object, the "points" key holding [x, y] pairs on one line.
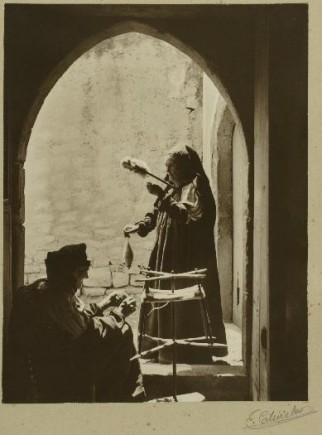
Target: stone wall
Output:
{"points": [[240, 218], [227, 167], [218, 142], [129, 95]]}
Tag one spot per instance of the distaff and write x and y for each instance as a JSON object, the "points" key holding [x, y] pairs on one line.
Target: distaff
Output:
{"points": [[141, 168]]}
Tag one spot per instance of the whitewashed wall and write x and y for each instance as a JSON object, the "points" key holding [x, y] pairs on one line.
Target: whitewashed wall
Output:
{"points": [[129, 95]]}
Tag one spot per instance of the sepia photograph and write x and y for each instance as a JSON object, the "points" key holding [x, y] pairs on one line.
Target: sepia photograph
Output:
{"points": [[155, 191]]}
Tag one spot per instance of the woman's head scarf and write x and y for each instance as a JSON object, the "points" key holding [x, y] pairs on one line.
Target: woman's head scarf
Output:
{"points": [[189, 158], [61, 264]]}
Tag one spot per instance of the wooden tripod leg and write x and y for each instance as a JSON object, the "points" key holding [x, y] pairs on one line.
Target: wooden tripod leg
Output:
{"points": [[206, 320], [174, 354], [141, 326]]}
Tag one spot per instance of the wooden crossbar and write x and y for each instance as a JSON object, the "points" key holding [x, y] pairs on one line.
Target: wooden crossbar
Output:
{"points": [[195, 289], [171, 277], [157, 272], [169, 342]]}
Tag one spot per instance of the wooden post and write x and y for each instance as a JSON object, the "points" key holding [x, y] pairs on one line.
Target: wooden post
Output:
{"points": [[260, 340], [174, 350]]}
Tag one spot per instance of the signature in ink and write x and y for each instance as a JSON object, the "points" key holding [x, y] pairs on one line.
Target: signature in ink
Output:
{"points": [[261, 418]]}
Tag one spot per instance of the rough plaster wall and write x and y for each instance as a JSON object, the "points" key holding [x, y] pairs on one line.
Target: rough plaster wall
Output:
{"points": [[127, 96], [240, 215], [211, 96], [221, 147], [213, 110]]}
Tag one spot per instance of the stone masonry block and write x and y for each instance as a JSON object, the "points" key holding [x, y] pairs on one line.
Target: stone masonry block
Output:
{"points": [[120, 279], [93, 292], [98, 277]]}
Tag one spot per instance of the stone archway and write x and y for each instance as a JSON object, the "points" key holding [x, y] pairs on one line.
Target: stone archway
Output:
{"points": [[239, 47], [18, 212], [118, 29]]}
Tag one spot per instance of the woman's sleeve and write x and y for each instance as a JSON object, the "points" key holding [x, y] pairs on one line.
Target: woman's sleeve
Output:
{"points": [[147, 224], [188, 208], [87, 310], [192, 200], [107, 327], [95, 322]]}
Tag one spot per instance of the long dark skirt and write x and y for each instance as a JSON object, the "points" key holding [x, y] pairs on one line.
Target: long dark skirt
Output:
{"points": [[182, 248]]}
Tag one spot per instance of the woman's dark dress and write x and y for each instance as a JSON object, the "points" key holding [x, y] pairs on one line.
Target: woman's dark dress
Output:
{"points": [[183, 244]]}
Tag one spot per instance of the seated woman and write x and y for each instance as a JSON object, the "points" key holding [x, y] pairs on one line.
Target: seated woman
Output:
{"points": [[64, 351], [184, 219]]}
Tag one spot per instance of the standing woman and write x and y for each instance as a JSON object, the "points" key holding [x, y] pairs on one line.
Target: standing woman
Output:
{"points": [[184, 218]]}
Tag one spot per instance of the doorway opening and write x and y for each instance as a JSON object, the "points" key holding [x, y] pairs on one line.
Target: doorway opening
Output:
{"points": [[132, 94]]}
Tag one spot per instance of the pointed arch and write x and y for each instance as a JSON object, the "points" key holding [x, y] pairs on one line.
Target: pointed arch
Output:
{"points": [[87, 44]]}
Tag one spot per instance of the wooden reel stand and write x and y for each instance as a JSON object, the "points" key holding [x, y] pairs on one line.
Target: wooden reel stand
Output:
{"points": [[173, 296]]}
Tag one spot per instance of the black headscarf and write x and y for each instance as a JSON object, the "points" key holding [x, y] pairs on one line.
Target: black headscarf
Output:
{"points": [[60, 264], [190, 159]]}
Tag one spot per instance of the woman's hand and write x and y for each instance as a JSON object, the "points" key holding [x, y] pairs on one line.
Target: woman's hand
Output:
{"points": [[166, 201], [114, 299], [155, 189], [130, 228], [127, 307], [117, 297]]}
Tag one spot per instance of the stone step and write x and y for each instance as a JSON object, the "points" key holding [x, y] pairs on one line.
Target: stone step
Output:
{"points": [[214, 382], [184, 398]]}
